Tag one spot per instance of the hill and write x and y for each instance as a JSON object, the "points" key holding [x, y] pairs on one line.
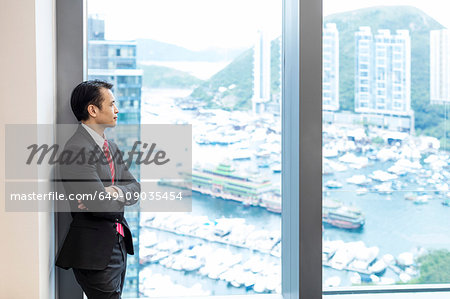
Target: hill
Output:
{"points": [[385, 17], [239, 76], [429, 119], [165, 77], [152, 50]]}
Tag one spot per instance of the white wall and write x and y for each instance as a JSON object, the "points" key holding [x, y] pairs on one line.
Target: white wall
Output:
{"points": [[26, 96]]}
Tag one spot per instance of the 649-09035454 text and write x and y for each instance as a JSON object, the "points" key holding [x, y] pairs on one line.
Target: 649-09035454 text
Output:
{"points": [[58, 196]]}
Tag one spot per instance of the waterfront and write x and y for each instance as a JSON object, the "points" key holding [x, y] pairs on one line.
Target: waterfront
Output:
{"points": [[392, 224]]}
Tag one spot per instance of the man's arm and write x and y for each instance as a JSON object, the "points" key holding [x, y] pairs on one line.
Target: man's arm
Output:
{"points": [[81, 181], [126, 182]]}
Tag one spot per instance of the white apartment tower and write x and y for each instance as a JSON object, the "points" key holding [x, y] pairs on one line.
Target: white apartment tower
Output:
{"points": [[383, 72], [330, 68], [363, 69], [261, 73], [440, 66]]}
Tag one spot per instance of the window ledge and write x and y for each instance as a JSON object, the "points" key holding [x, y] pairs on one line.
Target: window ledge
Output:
{"points": [[253, 296], [395, 291], [421, 295]]}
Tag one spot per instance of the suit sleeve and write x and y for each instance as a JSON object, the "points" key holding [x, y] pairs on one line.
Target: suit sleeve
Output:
{"points": [[81, 180], [127, 183]]}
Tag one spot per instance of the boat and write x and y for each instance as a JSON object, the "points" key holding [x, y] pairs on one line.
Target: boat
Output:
{"points": [[405, 259], [359, 179], [330, 152], [223, 182], [354, 161], [355, 279], [333, 281], [384, 188], [272, 201], [341, 259], [378, 268], [333, 184], [243, 154], [383, 176], [423, 199], [329, 248], [276, 167], [362, 191], [410, 196], [343, 217]]}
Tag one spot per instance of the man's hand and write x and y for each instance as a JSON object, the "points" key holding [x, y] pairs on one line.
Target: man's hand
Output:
{"points": [[111, 191], [81, 206]]}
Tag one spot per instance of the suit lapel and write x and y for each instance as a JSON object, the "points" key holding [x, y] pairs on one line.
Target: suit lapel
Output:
{"points": [[89, 138], [99, 152]]}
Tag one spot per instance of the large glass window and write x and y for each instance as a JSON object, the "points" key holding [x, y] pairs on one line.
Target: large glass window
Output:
{"points": [[216, 65], [386, 196]]}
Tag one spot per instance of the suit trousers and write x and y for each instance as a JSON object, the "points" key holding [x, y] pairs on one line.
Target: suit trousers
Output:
{"points": [[106, 283]]}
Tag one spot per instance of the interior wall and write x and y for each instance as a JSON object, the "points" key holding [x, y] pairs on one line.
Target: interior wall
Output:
{"points": [[26, 97]]}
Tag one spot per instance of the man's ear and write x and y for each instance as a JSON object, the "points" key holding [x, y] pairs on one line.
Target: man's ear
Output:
{"points": [[92, 110]]}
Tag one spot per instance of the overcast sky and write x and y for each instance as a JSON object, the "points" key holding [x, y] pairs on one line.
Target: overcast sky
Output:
{"points": [[201, 24]]}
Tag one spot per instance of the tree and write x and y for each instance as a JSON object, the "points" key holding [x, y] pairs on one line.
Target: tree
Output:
{"points": [[434, 267]]}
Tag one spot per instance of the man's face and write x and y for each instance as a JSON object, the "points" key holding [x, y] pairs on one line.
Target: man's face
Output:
{"points": [[107, 115]]}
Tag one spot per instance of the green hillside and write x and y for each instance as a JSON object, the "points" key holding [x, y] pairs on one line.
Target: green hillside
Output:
{"points": [[238, 73], [388, 17], [429, 119], [165, 77]]}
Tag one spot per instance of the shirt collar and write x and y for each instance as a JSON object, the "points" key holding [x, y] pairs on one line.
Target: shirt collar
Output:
{"points": [[99, 140]]}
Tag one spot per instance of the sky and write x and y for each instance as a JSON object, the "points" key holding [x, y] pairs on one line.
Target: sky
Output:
{"points": [[203, 24], [193, 24]]}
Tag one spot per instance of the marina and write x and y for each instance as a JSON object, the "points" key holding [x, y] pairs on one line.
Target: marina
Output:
{"points": [[391, 202]]}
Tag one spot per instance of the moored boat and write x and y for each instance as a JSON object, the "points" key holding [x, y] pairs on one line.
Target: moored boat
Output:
{"points": [[224, 182], [343, 217]]}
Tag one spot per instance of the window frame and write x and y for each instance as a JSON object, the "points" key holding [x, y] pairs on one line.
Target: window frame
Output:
{"points": [[71, 22], [302, 167]]}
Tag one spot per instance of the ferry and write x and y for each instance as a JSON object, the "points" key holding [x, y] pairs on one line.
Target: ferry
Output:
{"points": [[223, 182], [272, 201], [343, 217]]}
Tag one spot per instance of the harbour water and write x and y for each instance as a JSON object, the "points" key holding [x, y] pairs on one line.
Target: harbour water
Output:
{"points": [[392, 224]]}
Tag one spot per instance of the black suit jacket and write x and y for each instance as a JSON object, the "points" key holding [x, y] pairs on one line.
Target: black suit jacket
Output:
{"points": [[92, 233]]}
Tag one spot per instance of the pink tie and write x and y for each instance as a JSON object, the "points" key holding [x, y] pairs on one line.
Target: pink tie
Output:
{"points": [[119, 226], [109, 158]]}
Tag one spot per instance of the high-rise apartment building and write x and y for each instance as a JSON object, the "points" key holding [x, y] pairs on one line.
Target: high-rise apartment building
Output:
{"points": [[364, 74], [261, 73], [115, 62], [440, 66], [383, 72], [330, 69]]}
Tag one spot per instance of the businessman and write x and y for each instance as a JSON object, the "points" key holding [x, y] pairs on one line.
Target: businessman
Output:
{"points": [[99, 238]]}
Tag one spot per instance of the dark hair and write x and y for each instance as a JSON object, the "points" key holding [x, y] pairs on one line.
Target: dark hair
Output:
{"points": [[85, 94]]}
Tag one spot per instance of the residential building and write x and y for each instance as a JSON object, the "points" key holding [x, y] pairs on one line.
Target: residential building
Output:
{"points": [[261, 73], [330, 68], [440, 66], [383, 72]]}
